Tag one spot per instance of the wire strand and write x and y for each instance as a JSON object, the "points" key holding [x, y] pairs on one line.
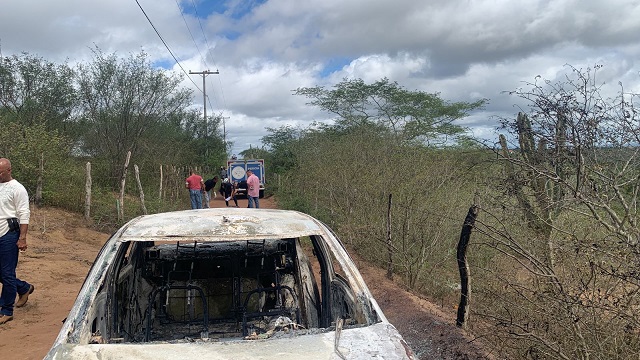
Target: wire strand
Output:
{"points": [[167, 46], [206, 41]]}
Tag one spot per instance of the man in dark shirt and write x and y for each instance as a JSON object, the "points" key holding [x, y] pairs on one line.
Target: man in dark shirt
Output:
{"points": [[209, 186], [229, 191]]}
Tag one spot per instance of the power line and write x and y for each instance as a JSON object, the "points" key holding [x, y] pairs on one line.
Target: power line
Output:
{"points": [[203, 58], [167, 46], [204, 62], [203, 73], [206, 42], [195, 10]]}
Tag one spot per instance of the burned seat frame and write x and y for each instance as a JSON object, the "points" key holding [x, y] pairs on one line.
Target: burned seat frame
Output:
{"points": [[172, 271]]}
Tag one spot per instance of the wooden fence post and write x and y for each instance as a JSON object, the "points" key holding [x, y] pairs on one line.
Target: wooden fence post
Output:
{"points": [[389, 242], [463, 266], [87, 195], [160, 192], [122, 183], [137, 172], [38, 195]]}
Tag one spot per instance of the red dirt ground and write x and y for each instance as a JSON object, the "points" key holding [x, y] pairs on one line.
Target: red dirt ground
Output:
{"points": [[62, 247]]}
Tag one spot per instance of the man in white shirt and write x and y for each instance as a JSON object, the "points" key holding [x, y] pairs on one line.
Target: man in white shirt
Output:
{"points": [[14, 223]]}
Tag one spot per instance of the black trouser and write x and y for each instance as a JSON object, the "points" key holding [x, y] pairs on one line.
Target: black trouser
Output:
{"points": [[235, 200]]}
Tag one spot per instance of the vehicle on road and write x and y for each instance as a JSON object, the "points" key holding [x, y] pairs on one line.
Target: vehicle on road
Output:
{"points": [[226, 283], [237, 172]]}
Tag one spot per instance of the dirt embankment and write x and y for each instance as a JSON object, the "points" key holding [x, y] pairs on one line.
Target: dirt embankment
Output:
{"points": [[62, 248]]}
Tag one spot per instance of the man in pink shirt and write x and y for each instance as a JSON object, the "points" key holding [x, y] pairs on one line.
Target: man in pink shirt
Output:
{"points": [[253, 189], [195, 184]]}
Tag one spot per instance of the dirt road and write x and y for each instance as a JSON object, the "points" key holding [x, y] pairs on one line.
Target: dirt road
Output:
{"points": [[62, 248]]}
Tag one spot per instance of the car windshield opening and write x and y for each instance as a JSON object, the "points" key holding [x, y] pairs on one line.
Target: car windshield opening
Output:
{"points": [[251, 289]]}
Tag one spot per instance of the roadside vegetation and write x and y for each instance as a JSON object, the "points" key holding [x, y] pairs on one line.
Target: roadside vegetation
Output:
{"points": [[554, 253], [54, 119]]}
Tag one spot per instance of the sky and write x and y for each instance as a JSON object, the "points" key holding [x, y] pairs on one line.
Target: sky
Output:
{"points": [[265, 49]]}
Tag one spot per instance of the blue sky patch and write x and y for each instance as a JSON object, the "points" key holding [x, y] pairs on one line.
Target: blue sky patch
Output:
{"points": [[166, 64], [245, 7], [204, 8], [333, 65], [230, 34]]}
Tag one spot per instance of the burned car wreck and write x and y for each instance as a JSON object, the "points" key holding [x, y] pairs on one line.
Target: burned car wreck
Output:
{"points": [[226, 284]]}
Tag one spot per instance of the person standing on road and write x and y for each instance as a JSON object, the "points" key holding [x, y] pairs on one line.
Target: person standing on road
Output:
{"points": [[195, 184], [14, 223], [223, 172], [253, 190]]}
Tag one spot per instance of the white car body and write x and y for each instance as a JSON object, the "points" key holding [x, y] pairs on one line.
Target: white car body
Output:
{"points": [[226, 284]]}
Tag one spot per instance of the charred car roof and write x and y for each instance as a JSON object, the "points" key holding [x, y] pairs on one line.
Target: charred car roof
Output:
{"points": [[224, 224]]}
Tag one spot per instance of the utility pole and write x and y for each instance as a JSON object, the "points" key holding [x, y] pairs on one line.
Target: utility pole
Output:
{"points": [[204, 73], [224, 132]]}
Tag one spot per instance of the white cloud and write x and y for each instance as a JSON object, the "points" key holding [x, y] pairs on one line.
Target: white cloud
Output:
{"points": [[463, 49]]}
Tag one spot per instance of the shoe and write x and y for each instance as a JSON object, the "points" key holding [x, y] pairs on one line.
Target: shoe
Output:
{"points": [[23, 298], [5, 319]]}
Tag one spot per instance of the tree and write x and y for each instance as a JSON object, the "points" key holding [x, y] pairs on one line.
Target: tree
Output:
{"points": [[281, 143], [205, 138], [39, 154], [122, 100], [409, 115], [574, 178], [36, 91], [380, 144]]}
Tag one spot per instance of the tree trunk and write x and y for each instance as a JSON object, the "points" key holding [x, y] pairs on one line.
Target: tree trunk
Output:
{"points": [[463, 266]]}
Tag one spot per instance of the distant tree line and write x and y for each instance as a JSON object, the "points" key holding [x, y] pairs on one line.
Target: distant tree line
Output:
{"points": [[103, 108]]}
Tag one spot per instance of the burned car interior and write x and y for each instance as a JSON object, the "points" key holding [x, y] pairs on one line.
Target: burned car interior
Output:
{"points": [[175, 291], [226, 283]]}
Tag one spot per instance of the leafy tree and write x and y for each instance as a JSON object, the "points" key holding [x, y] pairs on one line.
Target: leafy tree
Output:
{"points": [[255, 153], [409, 115], [206, 144], [36, 91], [344, 172], [39, 154], [282, 143], [122, 100]]}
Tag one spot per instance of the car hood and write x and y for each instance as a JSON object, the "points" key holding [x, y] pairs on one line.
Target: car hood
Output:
{"points": [[381, 340]]}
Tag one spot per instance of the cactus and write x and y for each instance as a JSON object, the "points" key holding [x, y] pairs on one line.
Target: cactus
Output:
{"points": [[539, 198]]}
